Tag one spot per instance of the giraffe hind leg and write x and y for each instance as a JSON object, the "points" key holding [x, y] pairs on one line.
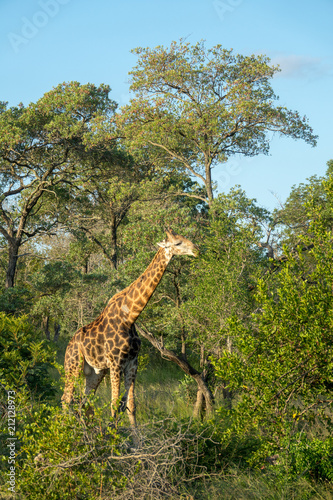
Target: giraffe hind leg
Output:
{"points": [[127, 402], [72, 371], [93, 378]]}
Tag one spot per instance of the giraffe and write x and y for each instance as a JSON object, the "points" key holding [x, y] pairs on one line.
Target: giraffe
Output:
{"points": [[110, 342]]}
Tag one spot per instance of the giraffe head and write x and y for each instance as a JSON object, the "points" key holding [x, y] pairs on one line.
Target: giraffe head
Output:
{"points": [[178, 245]]}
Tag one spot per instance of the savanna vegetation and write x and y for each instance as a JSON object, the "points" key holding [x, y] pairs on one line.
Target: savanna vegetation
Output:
{"points": [[235, 385]]}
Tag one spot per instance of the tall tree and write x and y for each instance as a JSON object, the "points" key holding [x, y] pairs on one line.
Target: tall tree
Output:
{"points": [[195, 107], [101, 209], [44, 147]]}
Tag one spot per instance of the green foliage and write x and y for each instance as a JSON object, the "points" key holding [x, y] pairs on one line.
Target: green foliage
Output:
{"points": [[281, 365], [194, 107], [311, 458], [227, 269], [24, 358], [66, 455], [49, 142], [15, 300], [54, 276], [80, 250], [302, 206]]}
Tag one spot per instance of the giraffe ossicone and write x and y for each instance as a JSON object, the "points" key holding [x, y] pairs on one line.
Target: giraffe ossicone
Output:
{"points": [[110, 342]]}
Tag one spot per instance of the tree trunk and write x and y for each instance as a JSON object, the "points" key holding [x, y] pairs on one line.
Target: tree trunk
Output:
{"points": [[199, 407], [198, 410], [183, 340], [205, 400], [208, 181], [13, 247], [56, 332], [45, 325], [114, 251]]}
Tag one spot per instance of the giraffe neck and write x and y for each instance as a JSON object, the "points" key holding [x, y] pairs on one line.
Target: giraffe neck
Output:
{"points": [[131, 301]]}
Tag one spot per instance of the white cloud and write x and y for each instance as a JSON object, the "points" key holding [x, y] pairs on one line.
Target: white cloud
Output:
{"points": [[298, 66]]}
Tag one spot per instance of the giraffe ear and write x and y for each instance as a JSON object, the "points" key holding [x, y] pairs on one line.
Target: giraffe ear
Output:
{"points": [[169, 237], [170, 234], [163, 244], [170, 240]]}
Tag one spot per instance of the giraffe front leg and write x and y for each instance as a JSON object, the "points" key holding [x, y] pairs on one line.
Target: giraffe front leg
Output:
{"points": [[73, 367], [68, 393], [130, 376]]}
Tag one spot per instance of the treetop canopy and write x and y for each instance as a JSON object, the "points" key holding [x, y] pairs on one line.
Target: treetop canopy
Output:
{"points": [[196, 107]]}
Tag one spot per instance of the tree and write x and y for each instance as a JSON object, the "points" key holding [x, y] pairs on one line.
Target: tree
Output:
{"points": [[282, 364], [195, 107], [223, 279], [43, 148], [101, 209]]}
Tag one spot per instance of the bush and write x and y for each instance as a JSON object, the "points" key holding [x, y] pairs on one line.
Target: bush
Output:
{"points": [[280, 368], [15, 300], [312, 459], [66, 455], [24, 358]]}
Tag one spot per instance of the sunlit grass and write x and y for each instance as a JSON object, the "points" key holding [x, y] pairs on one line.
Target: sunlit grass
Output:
{"points": [[159, 390], [240, 485]]}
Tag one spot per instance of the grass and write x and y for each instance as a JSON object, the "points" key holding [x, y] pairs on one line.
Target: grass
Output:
{"points": [[251, 485], [160, 390]]}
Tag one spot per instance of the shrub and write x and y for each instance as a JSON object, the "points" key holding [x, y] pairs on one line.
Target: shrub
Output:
{"points": [[312, 459], [24, 358], [66, 455], [15, 300]]}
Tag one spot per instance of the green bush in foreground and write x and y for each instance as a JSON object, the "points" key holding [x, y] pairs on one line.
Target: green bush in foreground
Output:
{"points": [[67, 456]]}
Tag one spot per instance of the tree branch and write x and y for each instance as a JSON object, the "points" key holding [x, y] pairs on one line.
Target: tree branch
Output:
{"points": [[179, 158]]}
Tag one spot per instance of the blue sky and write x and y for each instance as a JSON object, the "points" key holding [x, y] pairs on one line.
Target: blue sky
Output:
{"points": [[46, 42]]}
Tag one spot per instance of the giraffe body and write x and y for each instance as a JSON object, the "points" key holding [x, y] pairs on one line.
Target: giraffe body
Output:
{"points": [[110, 342]]}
